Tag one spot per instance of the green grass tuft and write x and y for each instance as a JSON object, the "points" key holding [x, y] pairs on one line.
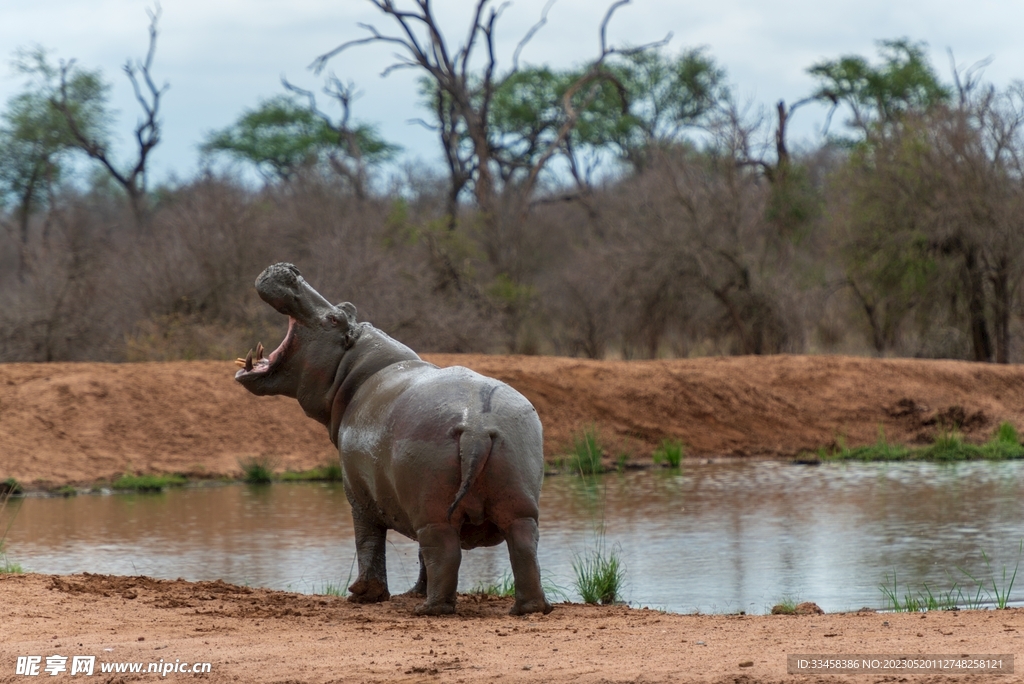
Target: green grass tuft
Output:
{"points": [[10, 487], [599, 576], [9, 568], [785, 606], [148, 483], [328, 472], [330, 589], [948, 446], [671, 452], [6, 566], [505, 587], [585, 458], [257, 470], [973, 594]]}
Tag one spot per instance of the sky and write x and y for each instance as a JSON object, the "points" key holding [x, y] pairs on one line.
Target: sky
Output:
{"points": [[221, 57]]}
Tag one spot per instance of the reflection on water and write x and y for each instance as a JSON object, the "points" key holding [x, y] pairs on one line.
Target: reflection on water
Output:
{"points": [[718, 537]]}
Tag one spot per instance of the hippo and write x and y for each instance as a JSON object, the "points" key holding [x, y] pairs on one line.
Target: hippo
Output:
{"points": [[445, 456]]}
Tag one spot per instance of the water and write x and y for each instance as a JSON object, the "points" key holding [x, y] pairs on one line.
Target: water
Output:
{"points": [[713, 538]]}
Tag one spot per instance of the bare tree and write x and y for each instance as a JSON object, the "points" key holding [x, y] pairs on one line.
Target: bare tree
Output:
{"points": [[147, 130], [462, 98]]}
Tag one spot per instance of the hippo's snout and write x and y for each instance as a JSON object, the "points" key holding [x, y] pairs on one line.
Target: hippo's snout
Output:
{"points": [[277, 282], [283, 287]]}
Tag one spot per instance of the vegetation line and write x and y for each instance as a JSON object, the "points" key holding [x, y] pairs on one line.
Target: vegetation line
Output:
{"points": [[948, 446]]}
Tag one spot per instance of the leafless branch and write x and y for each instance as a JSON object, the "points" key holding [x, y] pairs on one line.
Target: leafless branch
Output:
{"points": [[530, 34]]}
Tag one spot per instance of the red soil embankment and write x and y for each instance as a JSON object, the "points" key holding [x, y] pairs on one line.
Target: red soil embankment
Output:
{"points": [[80, 422]]}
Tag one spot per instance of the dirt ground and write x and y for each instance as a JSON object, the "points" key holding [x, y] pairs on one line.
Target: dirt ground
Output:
{"points": [[255, 635], [83, 423]]}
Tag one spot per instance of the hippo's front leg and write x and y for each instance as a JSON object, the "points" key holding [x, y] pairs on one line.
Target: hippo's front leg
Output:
{"points": [[372, 584]]}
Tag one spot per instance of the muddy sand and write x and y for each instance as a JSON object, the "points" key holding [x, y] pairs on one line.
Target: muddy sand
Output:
{"points": [[84, 423]]}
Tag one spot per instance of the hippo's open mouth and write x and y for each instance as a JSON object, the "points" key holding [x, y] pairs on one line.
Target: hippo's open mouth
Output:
{"points": [[260, 365]]}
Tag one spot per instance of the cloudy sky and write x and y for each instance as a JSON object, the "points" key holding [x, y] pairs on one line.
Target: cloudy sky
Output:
{"points": [[222, 56]]}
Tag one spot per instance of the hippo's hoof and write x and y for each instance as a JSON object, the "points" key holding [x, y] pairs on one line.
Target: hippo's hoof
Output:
{"points": [[368, 591], [428, 608], [535, 606]]}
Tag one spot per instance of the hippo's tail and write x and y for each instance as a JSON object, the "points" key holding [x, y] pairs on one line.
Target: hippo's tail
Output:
{"points": [[474, 448]]}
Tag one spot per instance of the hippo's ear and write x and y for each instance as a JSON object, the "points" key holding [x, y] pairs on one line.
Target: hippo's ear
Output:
{"points": [[343, 316]]}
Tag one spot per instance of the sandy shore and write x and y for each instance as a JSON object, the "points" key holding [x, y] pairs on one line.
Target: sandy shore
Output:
{"points": [[255, 635]]}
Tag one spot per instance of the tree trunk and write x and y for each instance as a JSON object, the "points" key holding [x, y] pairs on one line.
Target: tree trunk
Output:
{"points": [[1001, 310], [981, 342]]}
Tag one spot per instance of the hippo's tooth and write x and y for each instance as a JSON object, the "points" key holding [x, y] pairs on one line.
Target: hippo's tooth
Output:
{"points": [[248, 361], [240, 362], [259, 351]]}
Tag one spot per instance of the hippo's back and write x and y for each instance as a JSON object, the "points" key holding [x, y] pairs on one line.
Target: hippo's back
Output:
{"points": [[456, 399], [421, 402]]}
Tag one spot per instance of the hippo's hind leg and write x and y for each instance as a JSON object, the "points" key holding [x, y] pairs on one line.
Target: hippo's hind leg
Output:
{"points": [[372, 584], [442, 554], [522, 536]]}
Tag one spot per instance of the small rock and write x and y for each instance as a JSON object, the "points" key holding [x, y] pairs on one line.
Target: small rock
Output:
{"points": [[747, 663]]}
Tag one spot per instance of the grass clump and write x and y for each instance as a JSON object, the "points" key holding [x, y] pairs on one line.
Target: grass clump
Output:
{"points": [[948, 446], [6, 566], [1004, 445], [881, 450], [328, 472], [148, 483], [585, 458], [671, 452], [257, 470], [599, 576], [1000, 593], [10, 487], [504, 587], [786, 606], [331, 589], [972, 594]]}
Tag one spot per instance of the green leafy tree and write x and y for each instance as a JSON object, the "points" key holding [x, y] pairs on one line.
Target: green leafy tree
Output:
{"points": [[904, 81], [35, 139], [667, 96], [931, 237], [282, 135], [648, 101]]}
